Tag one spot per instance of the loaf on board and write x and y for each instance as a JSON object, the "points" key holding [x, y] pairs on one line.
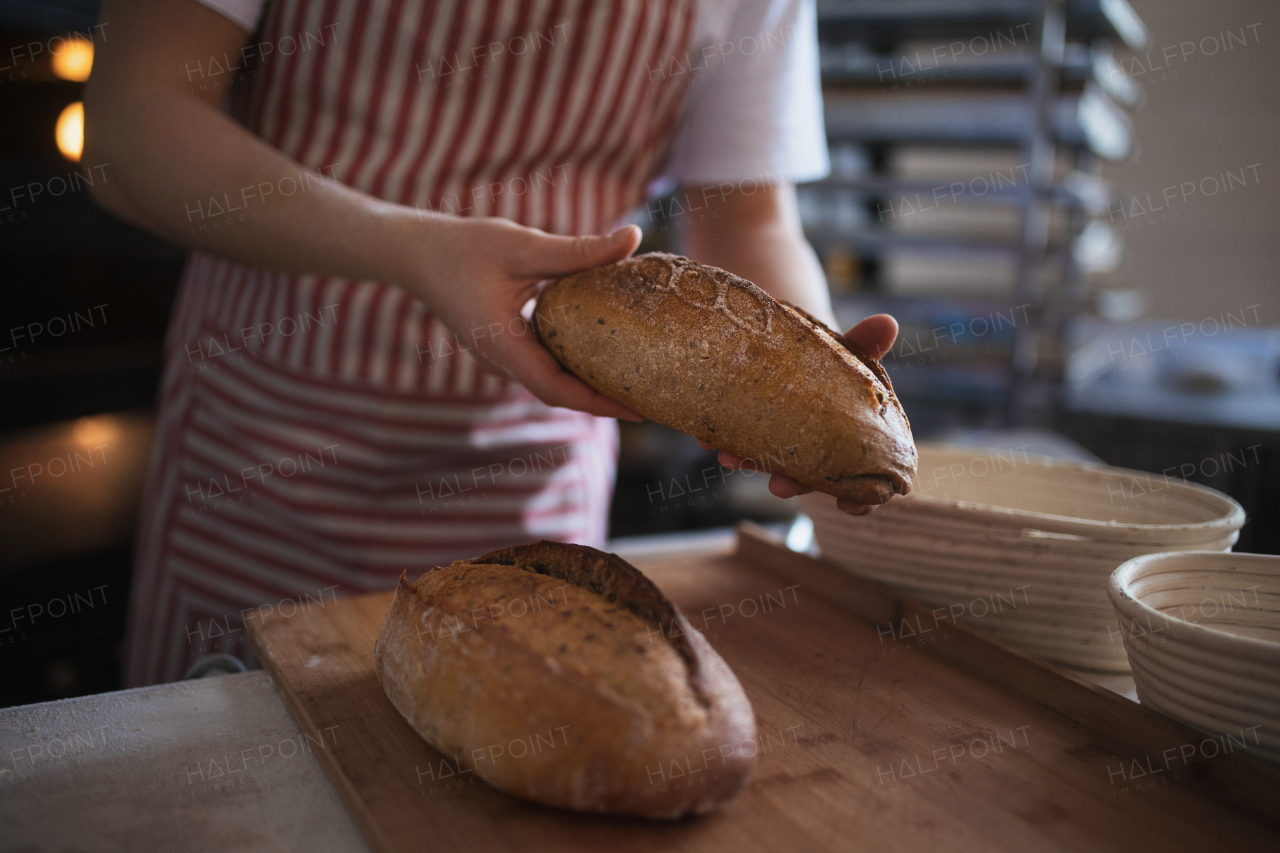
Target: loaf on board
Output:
{"points": [[561, 674], [710, 354]]}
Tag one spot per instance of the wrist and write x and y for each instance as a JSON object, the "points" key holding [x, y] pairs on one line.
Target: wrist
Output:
{"points": [[417, 247]]}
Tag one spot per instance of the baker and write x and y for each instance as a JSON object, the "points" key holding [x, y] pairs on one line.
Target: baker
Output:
{"points": [[371, 193]]}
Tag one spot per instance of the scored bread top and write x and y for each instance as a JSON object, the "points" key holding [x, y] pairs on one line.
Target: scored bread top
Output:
{"points": [[713, 355], [575, 629], [584, 612], [607, 575]]}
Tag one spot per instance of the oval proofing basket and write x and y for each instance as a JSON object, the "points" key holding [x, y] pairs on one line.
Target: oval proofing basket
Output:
{"points": [[1023, 546]]}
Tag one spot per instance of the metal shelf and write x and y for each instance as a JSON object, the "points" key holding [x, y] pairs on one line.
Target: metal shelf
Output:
{"points": [[875, 241], [852, 64], [897, 21], [1080, 190], [1034, 77], [1088, 120]]}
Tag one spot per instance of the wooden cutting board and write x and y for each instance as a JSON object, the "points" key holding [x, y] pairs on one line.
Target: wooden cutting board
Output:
{"points": [[880, 728]]}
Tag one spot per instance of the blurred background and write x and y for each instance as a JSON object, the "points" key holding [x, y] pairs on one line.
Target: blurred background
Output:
{"points": [[1069, 206]]}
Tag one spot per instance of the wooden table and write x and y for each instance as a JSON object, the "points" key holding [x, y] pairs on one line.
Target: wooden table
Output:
{"points": [[135, 770], [951, 741], [165, 768]]}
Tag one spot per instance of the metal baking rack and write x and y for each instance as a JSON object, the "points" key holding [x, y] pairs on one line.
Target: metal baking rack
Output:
{"points": [[916, 93]]}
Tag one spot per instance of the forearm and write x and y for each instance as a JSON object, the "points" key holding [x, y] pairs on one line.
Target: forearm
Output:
{"points": [[175, 164], [761, 240], [781, 262], [191, 174]]}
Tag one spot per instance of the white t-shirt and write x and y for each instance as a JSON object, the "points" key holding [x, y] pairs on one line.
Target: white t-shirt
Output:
{"points": [[754, 106]]}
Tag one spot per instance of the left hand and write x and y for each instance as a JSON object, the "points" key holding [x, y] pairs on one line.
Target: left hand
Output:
{"points": [[874, 336]]}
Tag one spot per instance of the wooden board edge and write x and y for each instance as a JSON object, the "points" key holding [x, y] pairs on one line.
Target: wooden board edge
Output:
{"points": [[1237, 779], [328, 758]]}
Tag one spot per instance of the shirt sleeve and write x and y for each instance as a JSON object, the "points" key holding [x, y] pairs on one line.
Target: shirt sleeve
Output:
{"points": [[243, 12], [754, 107]]}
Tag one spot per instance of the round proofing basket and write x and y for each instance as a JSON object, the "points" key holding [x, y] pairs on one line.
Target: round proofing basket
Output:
{"points": [[1044, 534], [1202, 630]]}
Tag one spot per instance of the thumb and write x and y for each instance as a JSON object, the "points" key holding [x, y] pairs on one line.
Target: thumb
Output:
{"points": [[549, 255], [874, 335]]}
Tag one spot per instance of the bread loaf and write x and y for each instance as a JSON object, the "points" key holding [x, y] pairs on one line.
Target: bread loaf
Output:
{"points": [[561, 674], [708, 353]]}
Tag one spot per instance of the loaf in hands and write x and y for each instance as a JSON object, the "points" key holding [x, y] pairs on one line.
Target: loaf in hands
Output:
{"points": [[561, 674], [710, 354]]}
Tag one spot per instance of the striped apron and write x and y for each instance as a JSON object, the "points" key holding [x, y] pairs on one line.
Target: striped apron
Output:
{"points": [[316, 435]]}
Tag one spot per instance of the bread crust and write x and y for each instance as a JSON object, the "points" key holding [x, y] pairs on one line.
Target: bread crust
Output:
{"points": [[597, 725], [708, 353]]}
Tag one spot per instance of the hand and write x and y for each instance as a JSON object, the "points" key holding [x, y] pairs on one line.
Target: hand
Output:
{"points": [[480, 274], [874, 336]]}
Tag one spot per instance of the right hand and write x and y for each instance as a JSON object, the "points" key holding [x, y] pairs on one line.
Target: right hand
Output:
{"points": [[480, 274]]}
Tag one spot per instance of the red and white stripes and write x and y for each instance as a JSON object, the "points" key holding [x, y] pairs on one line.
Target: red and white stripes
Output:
{"points": [[426, 457]]}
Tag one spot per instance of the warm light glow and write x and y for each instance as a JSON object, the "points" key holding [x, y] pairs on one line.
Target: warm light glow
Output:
{"points": [[95, 432], [75, 60], [70, 131]]}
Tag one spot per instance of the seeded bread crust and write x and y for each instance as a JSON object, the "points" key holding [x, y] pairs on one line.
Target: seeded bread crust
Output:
{"points": [[572, 658], [710, 354]]}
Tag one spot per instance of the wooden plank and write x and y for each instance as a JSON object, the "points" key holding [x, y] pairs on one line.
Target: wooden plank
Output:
{"points": [[968, 746]]}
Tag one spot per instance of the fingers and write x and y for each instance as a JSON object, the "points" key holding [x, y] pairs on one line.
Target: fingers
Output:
{"points": [[550, 256], [729, 460], [534, 368], [785, 487], [779, 484], [874, 335], [853, 507]]}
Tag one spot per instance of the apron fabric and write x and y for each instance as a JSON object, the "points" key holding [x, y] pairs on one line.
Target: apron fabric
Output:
{"points": [[318, 436]]}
